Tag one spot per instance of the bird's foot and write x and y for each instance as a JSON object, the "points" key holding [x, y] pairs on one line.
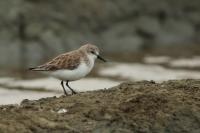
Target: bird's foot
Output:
{"points": [[66, 94], [73, 92]]}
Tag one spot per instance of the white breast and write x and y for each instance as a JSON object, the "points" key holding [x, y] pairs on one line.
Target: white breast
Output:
{"points": [[71, 75]]}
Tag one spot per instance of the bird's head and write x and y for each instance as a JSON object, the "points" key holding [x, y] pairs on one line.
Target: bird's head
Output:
{"points": [[92, 51]]}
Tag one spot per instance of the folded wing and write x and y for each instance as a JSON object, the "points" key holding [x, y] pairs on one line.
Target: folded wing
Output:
{"points": [[63, 61]]}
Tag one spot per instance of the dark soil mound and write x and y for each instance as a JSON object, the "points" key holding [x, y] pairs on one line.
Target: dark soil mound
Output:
{"points": [[170, 107]]}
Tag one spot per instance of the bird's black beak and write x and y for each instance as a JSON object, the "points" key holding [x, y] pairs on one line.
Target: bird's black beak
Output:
{"points": [[100, 58]]}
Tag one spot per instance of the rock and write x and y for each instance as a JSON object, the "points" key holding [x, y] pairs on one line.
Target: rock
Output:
{"points": [[129, 43], [149, 25], [10, 55], [175, 31], [61, 111], [121, 36]]}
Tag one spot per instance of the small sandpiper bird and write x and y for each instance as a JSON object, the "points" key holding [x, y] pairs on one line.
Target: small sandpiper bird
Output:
{"points": [[72, 65]]}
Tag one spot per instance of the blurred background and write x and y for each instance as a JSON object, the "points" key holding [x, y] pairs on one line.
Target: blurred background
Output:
{"points": [[142, 39]]}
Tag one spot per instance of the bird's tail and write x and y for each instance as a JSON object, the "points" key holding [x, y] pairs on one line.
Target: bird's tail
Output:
{"points": [[31, 68], [39, 68], [34, 69]]}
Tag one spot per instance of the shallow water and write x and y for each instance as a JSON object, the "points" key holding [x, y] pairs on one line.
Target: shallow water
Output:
{"points": [[45, 87], [16, 96], [191, 62], [13, 91], [137, 71], [51, 84]]}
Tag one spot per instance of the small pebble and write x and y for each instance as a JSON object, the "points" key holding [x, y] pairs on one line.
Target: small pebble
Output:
{"points": [[61, 111]]}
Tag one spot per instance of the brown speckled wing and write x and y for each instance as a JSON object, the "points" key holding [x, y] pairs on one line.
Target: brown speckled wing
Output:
{"points": [[64, 61]]}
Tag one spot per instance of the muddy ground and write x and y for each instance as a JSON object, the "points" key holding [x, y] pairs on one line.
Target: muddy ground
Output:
{"points": [[172, 106]]}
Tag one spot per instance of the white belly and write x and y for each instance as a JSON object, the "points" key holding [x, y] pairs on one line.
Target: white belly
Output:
{"points": [[71, 75]]}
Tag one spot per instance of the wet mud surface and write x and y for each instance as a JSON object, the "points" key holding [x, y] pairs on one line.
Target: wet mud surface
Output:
{"points": [[145, 106]]}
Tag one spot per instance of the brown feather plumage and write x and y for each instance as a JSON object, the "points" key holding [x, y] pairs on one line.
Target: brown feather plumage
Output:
{"points": [[68, 61]]}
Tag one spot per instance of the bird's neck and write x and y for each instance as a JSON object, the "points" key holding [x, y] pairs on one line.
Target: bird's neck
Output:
{"points": [[89, 59]]}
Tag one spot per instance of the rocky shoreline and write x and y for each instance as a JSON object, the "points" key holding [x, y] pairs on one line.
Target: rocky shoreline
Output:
{"points": [[52, 27], [145, 106]]}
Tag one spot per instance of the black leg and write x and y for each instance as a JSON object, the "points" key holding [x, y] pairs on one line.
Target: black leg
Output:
{"points": [[67, 84], [63, 87]]}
